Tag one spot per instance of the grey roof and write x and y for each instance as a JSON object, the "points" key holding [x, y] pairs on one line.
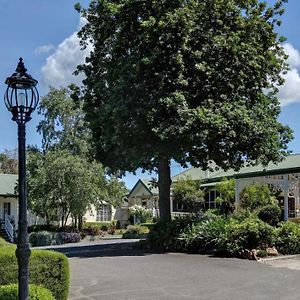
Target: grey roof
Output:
{"points": [[291, 164], [8, 183], [153, 188]]}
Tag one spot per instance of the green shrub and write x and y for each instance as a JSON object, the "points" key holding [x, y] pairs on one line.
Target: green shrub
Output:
{"points": [[67, 237], [104, 226], [270, 214], [141, 214], [166, 236], [262, 253], [135, 232], [44, 227], [205, 236], [46, 238], [41, 238], [288, 238], [47, 268], [10, 292], [148, 225], [255, 196], [3, 242], [252, 233]]}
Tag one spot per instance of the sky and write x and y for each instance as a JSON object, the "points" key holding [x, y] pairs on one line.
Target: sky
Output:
{"points": [[43, 32]]}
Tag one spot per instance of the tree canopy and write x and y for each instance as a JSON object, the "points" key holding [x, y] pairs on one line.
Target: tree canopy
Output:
{"points": [[9, 161], [188, 192], [63, 180], [193, 81]]}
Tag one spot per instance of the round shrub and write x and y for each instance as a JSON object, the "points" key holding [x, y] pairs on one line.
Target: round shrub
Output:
{"points": [[270, 214], [3, 242], [205, 236], [249, 234], [41, 238], [10, 292], [49, 269], [68, 237], [166, 236], [256, 195], [135, 232], [288, 238]]}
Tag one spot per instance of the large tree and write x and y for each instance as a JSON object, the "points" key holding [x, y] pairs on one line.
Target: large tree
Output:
{"points": [[62, 177], [194, 81]]}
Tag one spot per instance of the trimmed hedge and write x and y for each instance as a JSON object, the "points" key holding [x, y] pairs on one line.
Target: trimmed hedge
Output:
{"points": [[46, 238], [10, 292], [135, 232], [47, 268], [3, 242], [101, 225]]}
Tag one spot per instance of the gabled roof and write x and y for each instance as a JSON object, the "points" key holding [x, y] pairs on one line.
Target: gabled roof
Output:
{"points": [[8, 184], [291, 164], [147, 184]]}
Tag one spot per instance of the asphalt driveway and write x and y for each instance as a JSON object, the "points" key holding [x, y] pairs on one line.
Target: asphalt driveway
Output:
{"points": [[115, 270]]}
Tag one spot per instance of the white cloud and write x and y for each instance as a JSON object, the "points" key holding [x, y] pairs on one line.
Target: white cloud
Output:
{"points": [[290, 91], [59, 67], [44, 49]]}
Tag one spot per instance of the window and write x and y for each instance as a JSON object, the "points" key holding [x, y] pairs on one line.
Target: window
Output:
{"points": [[104, 213], [210, 197]]}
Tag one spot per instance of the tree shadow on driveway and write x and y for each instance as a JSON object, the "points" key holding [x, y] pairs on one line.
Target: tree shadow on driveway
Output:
{"points": [[107, 249]]}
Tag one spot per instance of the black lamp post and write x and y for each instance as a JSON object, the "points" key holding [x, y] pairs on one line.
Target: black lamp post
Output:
{"points": [[21, 99]]}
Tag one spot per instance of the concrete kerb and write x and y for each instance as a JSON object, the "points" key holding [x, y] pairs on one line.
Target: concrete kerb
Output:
{"points": [[280, 257]]}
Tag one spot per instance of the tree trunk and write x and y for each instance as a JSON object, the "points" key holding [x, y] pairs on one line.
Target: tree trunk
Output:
{"points": [[80, 217], [164, 186]]}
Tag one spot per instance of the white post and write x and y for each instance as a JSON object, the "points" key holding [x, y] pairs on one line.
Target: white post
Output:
{"points": [[286, 196], [237, 192]]}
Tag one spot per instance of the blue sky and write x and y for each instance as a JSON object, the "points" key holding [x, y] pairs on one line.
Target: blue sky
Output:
{"points": [[43, 32]]}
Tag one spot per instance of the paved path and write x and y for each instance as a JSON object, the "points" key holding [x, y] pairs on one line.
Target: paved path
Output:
{"points": [[113, 270]]}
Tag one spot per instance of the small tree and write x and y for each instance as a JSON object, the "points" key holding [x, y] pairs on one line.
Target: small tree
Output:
{"points": [[188, 193], [226, 189], [255, 196]]}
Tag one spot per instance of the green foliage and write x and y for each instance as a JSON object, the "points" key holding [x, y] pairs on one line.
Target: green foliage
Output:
{"points": [[41, 238], [165, 236], [46, 238], [188, 193], [10, 292], [270, 214], [288, 238], [148, 225], [135, 232], [3, 243], [251, 233], [141, 214], [255, 196], [154, 92], [205, 236], [42, 227], [63, 179], [47, 268], [9, 161], [101, 225], [262, 253], [226, 189], [211, 234]]}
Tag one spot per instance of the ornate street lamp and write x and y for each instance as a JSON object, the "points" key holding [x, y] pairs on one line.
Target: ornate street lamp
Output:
{"points": [[21, 98]]}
